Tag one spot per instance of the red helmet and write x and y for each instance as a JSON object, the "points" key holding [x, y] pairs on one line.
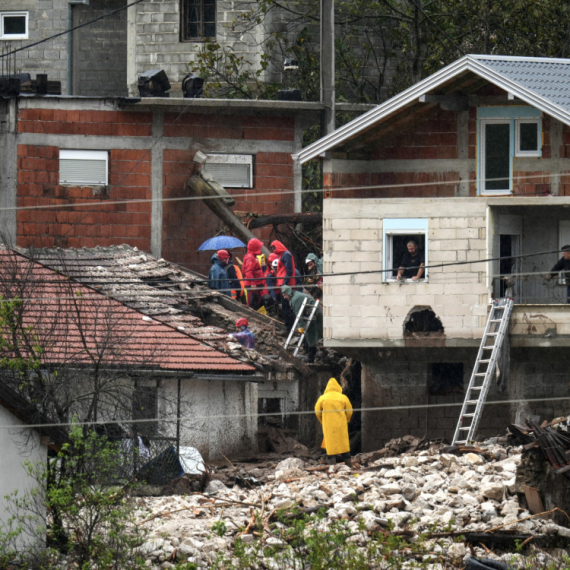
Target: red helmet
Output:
{"points": [[242, 323], [223, 254]]}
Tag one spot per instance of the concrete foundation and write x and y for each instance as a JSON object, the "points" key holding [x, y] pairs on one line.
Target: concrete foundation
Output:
{"points": [[404, 378]]}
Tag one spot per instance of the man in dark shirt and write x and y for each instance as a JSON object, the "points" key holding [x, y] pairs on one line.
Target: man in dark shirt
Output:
{"points": [[412, 264], [563, 264]]}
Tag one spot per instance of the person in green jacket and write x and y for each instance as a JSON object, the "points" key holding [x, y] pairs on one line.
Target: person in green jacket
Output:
{"points": [[314, 332], [313, 278]]}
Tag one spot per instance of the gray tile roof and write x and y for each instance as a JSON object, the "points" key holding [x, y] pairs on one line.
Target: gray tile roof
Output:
{"points": [[546, 78], [540, 82]]}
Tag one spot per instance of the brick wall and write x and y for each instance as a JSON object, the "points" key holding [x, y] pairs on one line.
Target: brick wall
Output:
{"points": [[82, 226], [60, 121], [129, 138], [410, 163], [188, 223]]}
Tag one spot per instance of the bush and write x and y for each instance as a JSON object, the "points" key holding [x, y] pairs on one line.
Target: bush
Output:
{"points": [[79, 507]]}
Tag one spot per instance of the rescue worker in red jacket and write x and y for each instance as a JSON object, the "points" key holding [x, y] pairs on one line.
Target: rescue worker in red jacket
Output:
{"points": [[253, 274], [285, 275]]}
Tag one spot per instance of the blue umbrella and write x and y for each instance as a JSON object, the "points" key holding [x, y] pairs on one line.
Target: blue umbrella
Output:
{"points": [[221, 242]]}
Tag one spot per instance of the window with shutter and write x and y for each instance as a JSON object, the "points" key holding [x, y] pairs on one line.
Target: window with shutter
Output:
{"points": [[83, 167], [231, 170]]}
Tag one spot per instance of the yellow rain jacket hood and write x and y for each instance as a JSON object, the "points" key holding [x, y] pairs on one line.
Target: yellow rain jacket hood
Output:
{"points": [[334, 411]]}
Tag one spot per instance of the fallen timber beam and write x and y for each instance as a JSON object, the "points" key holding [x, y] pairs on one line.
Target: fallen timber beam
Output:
{"points": [[208, 189], [297, 218]]}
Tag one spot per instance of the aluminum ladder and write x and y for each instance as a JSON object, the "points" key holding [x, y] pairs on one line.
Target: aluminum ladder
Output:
{"points": [[308, 320], [491, 343]]}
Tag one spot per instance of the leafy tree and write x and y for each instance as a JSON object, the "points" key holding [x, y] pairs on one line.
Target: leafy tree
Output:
{"points": [[382, 46]]}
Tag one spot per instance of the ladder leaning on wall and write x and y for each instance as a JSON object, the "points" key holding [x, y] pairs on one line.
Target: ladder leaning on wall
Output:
{"points": [[491, 343], [308, 319]]}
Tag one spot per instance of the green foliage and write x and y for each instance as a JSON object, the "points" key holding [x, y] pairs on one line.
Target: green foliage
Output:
{"points": [[20, 348], [90, 518], [219, 528]]}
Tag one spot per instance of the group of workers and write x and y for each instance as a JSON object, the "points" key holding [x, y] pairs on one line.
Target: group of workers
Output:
{"points": [[273, 284]]}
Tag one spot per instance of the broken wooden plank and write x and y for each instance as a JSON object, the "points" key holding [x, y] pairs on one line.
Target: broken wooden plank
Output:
{"points": [[533, 499]]}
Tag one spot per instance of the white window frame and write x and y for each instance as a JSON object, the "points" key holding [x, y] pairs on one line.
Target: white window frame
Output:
{"points": [[483, 125], [514, 116], [101, 156], [4, 36], [238, 159], [397, 227], [530, 153]]}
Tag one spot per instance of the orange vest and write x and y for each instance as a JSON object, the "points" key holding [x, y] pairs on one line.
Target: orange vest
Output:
{"points": [[242, 291]]}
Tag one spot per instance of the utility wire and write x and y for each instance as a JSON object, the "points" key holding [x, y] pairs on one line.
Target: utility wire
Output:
{"points": [[194, 418], [253, 193], [92, 283]]}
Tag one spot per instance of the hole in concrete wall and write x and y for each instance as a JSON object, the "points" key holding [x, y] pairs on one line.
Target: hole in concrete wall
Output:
{"points": [[446, 378], [422, 319]]}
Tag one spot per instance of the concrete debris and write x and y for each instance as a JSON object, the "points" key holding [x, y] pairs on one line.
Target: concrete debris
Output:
{"points": [[437, 496]]}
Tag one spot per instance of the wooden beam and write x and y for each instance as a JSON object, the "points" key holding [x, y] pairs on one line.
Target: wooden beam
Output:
{"points": [[213, 200], [297, 218]]}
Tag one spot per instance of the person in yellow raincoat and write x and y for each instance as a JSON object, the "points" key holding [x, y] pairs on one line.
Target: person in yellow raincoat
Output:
{"points": [[334, 411]]}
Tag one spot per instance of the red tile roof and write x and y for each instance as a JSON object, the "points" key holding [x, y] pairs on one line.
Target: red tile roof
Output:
{"points": [[76, 325]]}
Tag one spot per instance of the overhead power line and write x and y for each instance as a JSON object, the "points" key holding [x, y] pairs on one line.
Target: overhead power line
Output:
{"points": [[252, 196], [194, 418]]}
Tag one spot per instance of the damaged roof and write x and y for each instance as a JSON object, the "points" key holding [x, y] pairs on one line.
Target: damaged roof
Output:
{"points": [[76, 325], [175, 296], [543, 83]]}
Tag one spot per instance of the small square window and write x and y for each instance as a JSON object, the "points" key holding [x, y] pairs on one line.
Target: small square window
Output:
{"points": [[13, 25], [198, 19], [527, 137], [231, 170], [83, 167]]}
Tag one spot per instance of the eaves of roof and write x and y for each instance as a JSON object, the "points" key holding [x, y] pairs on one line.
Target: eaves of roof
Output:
{"points": [[472, 63]]}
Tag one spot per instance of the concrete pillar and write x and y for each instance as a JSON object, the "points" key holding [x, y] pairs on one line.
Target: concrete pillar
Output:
{"points": [[156, 184], [8, 172]]}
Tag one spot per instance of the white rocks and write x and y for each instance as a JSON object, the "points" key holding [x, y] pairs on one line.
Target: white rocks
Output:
{"points": [[493, 491], [473, 459], [447, 459], [409, 491], [284, 503], [214, 486], [457, 550], [419, 491], [390, 489], [290, 468]]}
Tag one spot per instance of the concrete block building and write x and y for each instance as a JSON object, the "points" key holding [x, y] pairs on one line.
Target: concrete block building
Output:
{"points": [[107, 56], [472, 164]]}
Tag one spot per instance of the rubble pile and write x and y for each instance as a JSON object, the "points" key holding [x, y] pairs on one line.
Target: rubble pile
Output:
{"points": [[444, 509]]}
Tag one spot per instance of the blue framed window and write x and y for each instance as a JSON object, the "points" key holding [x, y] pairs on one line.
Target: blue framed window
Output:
{"points": [[503, 134]]}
